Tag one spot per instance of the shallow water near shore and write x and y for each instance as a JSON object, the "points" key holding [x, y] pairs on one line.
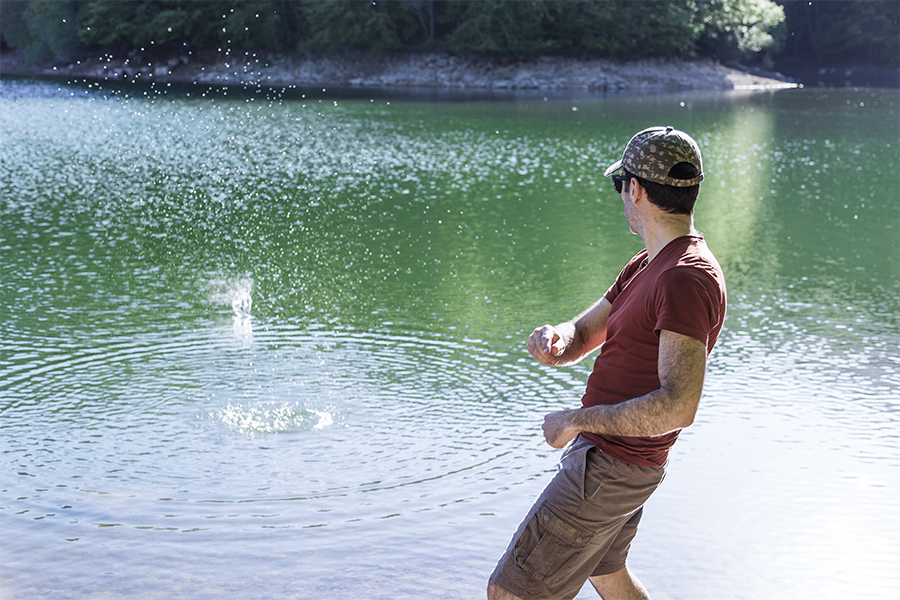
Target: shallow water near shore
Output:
{"points": [[262, 346]]}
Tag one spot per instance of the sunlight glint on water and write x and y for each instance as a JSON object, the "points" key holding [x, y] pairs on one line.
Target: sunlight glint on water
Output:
{"points": [[255, 345]]}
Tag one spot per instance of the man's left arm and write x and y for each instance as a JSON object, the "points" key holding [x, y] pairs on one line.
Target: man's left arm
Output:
{"points": [[681, 366]]}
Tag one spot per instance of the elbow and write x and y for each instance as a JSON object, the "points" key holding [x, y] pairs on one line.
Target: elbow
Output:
{"points": [[683, 411], [685, 416], [685, 420]]}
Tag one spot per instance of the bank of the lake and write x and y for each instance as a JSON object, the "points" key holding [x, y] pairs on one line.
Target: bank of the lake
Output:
{"points": [[431, 70]]}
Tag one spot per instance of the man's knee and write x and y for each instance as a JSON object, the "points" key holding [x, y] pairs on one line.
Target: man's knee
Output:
{"points": [[495, 592], [621, 585]]}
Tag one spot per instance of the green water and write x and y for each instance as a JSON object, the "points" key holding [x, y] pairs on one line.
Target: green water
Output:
{"points": [[374, 417]]}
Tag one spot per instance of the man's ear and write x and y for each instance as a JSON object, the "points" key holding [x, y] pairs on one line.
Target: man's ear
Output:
{"points": [[638, 192]]}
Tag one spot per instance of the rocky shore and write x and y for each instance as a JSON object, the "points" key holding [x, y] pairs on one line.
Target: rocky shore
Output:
{"points": [[435, 70]]}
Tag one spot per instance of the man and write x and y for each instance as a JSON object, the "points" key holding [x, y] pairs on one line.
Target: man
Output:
{"points": [[656, 324]]}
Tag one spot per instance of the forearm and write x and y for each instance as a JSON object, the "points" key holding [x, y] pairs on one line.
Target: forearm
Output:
{"points": [[580, 336], [654, 413], [682, 365], [574, 344]]}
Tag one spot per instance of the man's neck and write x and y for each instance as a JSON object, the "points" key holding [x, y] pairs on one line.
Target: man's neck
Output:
{"points": [[662, 230]]}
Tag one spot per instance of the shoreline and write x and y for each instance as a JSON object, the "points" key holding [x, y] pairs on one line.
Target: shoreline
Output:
{"points": [[437, 70]]}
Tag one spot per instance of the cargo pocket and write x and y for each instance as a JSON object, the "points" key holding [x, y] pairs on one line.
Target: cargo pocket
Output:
{"points": [[549, 544]]}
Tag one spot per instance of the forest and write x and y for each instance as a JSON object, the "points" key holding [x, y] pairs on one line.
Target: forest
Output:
{"points": [[760, 32]]}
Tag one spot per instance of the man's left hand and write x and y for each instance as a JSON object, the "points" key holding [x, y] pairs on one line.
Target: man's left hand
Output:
{"points": [[557, 429]]}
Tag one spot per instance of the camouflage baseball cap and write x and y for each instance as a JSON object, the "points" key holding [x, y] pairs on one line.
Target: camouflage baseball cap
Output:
{"points": [[652, 153]]}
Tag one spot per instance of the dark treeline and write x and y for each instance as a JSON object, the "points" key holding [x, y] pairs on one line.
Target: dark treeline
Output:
{"points": [[759, 31]]}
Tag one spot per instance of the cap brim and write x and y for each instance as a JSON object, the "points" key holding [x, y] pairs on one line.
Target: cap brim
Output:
{"points": [[613, 168]]}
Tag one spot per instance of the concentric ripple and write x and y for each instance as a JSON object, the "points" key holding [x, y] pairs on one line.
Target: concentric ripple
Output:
{"points": [[350, 412]]}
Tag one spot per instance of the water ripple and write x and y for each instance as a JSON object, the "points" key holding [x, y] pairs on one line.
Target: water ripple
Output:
{"points": [[322, 389]]}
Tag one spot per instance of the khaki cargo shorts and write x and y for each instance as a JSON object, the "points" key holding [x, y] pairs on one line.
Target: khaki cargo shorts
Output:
{"points": [[580, 526]]}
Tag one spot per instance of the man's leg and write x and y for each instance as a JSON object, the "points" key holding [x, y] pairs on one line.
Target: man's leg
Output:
{"points": [[568, 534], [621, 585], [495, 592], [564, 535]]}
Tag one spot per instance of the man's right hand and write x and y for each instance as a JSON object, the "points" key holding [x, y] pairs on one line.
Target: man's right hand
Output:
{"points": [[546, 344]]}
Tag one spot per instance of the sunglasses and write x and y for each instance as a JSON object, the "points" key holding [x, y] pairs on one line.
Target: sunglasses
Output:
{"points": [[618, 180]]}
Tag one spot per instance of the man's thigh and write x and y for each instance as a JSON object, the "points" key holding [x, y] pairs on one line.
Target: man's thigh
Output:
{"points": [[573, 523]]}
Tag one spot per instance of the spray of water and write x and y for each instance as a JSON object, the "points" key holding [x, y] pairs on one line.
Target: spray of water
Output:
{"points": [[237, 293], [272, 418]]}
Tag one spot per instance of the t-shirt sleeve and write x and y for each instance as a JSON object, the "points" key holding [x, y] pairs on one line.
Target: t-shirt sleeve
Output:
{"points": [[688, 303], [624, 276]]}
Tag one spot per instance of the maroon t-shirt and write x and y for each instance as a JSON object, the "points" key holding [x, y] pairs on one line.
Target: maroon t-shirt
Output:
{"points": [[681, 290]]}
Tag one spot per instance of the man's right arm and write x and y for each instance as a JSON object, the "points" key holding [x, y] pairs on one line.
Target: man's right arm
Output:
{"points": [[567, 343]]}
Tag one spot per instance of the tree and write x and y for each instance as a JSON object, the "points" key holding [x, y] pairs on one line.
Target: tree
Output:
{"points": [[847, 32], [43, 29], [588, 26], [254, 24], [607, 28], [660, 28], [13, 29], [425, 11], [739, 28], [852, 31], [129, 23], [501, 26], [355, 25]]}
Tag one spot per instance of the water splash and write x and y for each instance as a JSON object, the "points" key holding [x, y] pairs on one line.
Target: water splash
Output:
{"points": [[236, 293], [242, 327], [242, 303], [272, 419]]}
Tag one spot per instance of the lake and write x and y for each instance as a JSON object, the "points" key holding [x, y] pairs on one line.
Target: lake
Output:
{"points": [[271, 343]]}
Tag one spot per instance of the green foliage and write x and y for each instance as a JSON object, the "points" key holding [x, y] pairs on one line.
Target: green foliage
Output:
{"points": [[426, 21], [827, 31], [589, 26], [198, 23], [139, 22], [114, 22], [259, 24], [13, 29], [499, 26], [847, 32], [735, 28], [617, 28], [354, 24], [42, 29], [657, 28]]}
